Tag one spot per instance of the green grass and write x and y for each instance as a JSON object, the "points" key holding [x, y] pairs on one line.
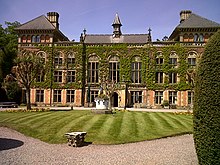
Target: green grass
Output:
{"points": [[122, 127]]}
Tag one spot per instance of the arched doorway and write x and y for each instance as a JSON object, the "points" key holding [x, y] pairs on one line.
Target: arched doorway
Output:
{"points": [[115, 99]]}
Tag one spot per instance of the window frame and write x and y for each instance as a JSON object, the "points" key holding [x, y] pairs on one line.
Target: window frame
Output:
{"points": [[172, 97], [71, 77], [39, 95], [58, 78], [70, 96], [136, 75], [159, 77], [158, 97], [57, 95], [136, 97], [114, 69], [172, 77]]}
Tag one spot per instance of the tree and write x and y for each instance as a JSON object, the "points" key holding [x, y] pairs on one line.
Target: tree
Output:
{"points": [[12, 89], [8, 52], [8, 48], [28, 66], [207, 104], [109, 87]]}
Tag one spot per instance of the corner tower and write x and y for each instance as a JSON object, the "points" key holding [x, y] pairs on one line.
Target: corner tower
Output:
{"points": [[117, 26]]}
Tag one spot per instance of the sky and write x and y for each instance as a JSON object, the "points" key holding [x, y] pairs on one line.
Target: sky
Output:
{"points": [[96, 16]]}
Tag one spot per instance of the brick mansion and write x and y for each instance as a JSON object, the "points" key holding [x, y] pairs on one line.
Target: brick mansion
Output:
{"points": [[145, 72]]}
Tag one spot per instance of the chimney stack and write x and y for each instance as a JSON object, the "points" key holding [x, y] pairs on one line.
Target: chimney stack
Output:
{"points": [[184, 14], [53, 18]]}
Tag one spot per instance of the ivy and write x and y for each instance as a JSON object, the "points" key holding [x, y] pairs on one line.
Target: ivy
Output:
{"points": [[126, 54]]}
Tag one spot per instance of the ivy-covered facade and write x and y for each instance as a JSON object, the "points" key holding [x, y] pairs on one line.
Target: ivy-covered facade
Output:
{"points": [[145, 73]]}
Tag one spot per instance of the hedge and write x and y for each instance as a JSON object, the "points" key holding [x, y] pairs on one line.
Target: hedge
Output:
{"points": [[207, 104]]}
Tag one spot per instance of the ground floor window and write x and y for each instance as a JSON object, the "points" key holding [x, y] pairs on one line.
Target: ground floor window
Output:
{"points": [[57, 96], [39, 95], [136, 97], [172, 97], [70, 95], [158, 97], [93, 95], [190, 97]]}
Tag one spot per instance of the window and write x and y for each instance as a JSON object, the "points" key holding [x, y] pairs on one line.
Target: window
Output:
{"points": [[159, 77], [57, 76], [40, 96], [23, 39], [136, 72], [70, 95], [37, 39], [42, 55], [93, 95], [192, 58], [185, 37], [158, 97], [93, 70], [58, 61], [33, 39], [136, 97], [191, 37], [42, 38], [28, 38], [196, 37], [173, 61], [40, 77], [57, 96], [114, 67], [159, 60], [70, 76], [201, 38], [172, 78], [47, 38], [190, 97], [192, 61], [172, 97], [70, 59]]}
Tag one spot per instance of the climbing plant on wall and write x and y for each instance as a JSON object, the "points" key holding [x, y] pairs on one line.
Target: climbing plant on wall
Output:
{"points": [[125, 53]]}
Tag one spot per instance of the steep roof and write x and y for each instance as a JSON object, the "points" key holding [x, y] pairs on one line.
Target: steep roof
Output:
{"points": [[196, 21], [116, 20], [125, 38], [38, 23]]}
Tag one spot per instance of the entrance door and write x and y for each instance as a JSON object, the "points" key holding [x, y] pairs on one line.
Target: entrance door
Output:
{"points": [[115, 99]]}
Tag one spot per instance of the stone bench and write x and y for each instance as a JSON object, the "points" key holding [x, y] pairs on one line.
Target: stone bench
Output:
{"points": [[75, 139]]}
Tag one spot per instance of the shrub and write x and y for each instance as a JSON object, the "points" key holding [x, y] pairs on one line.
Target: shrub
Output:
{"points": [[207, 104]]}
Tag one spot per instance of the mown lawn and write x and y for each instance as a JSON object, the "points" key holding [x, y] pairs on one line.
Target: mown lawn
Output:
{"points": [[122, 127]]}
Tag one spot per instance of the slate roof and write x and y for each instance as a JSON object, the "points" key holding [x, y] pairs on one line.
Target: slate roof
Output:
{"points": [[38, 23], [196, 21], [124, 38]]}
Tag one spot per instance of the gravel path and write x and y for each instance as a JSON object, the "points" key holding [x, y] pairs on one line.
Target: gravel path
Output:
{"points": [[17, 149]]}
